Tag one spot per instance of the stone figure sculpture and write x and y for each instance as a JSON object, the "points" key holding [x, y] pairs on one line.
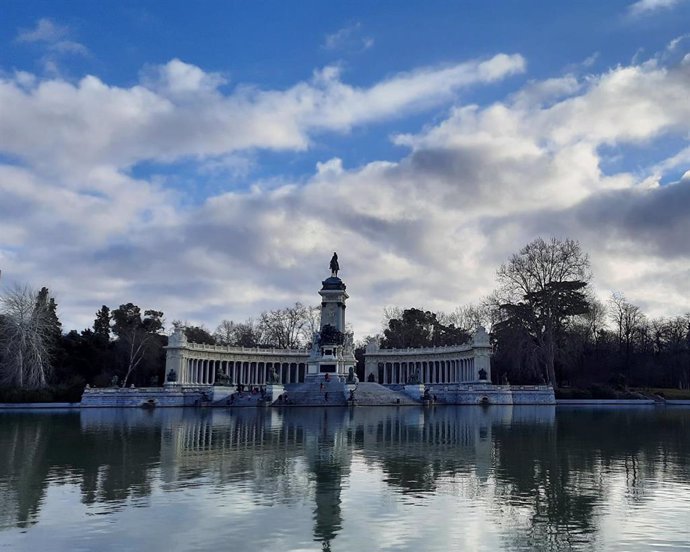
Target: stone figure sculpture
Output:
{"points": [[274, 378], [171, 377], [414, 378], [351, 376], [222, 378], [335, 267]]}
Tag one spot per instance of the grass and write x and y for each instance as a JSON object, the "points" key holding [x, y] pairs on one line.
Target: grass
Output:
{"points": [[667, 393]]}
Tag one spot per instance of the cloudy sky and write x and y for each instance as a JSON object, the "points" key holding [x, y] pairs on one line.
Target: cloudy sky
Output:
{"points": [[207, 159]]}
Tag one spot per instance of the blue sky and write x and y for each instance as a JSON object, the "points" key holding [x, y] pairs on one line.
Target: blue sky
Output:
{"points": [[205, 159]]}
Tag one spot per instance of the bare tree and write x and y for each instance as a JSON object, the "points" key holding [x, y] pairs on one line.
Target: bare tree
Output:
{"points": [[284, 328], [628, 320], [593, 322], [545, 279], [468, 317], [26, 338], [541, 263], [135, 334], [312, 322], [390, 313], [238, 334]]}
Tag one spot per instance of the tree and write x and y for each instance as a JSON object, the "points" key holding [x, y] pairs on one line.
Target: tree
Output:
{"points": [[628, 320], [548, 279], [135, 334], [284, 328], [101, 325], [47, 304], [238, 334], [28, 329], [418, 328], [199, 334], [468, 317]]}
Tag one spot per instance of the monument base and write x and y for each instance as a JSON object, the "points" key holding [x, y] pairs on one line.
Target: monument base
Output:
{"points": [[273, 391], [414, 391], [220, 392]]}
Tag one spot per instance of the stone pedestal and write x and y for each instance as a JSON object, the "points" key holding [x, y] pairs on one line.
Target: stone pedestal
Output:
{"points": [[348, 389], [274, 390], [414, 391], [220, 392]]}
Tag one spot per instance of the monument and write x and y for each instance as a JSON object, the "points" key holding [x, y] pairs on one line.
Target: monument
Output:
{"points": [[332, 352]]}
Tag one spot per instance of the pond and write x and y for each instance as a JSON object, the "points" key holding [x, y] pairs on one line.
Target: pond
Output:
{"points": [[406, 478]]}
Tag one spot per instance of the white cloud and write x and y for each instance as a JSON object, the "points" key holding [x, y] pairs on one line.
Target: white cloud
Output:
{"points": [[44, 31], [55, 37], [428, 229], [644, 7], [179, 110], [348, 38], [56, 41]]}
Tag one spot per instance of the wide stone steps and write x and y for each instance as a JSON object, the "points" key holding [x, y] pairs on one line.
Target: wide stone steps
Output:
{"points": [[313, 394], [374, 394], [246, 399]]}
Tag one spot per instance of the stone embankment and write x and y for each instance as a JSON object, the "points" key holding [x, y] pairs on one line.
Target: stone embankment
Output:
{"points": [[335, 392]]}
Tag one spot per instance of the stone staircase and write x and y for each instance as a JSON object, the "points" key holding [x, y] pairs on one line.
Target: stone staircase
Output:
{"points": [[312, 394], [247, 399], [366, 394], [374, 394]]}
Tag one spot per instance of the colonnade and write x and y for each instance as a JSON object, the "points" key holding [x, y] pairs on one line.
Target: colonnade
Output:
{"points": [[431, 371], [201, 371]]}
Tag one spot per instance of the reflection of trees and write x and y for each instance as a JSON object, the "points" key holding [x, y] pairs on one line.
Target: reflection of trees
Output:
{"points": [[562, 473], [23, 482], [544, 477], [416, 448], [37, 450]]}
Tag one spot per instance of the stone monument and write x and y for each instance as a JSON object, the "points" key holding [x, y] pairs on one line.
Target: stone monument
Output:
{"points": [[333, 350]]}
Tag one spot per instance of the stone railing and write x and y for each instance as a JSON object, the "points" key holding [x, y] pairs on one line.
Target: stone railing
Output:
{"points": [[422, 350], [244, 350]]}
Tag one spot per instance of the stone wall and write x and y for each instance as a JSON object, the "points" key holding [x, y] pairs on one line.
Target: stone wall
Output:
{"points": [[493, 394], [137, 397]]}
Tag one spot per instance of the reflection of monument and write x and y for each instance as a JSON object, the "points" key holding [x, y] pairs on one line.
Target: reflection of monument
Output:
{"points": [[329, 459]]}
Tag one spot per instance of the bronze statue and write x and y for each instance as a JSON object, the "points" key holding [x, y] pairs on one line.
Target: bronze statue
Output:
{"points": [[335, 267]]}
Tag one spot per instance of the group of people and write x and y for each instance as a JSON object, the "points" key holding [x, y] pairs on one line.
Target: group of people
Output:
{"points": [[249, 390]]}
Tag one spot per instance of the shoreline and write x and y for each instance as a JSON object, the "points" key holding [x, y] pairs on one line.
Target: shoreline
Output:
{"points": [[559, 402]]}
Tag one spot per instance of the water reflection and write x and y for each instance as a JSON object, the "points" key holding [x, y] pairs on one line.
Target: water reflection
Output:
{"points": [[507, 477]]}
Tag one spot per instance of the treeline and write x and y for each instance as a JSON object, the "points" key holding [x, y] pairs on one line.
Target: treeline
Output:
{"points": [[287, 328], [545, 323], [38, 362], [124, 346], [547, 326]]}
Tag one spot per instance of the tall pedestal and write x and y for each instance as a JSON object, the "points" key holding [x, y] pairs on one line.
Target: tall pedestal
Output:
{"points": [[333, 350]]}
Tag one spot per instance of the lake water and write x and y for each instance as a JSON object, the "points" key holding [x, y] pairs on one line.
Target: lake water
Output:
{"points": [[445, 478]]}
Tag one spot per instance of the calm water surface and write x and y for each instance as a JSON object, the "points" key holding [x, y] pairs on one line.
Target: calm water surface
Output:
{"points": [[448, 478]]}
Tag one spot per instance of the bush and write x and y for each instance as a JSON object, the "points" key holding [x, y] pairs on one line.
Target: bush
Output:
{"points": [[603, 392], [597, 391], [66, 392]]}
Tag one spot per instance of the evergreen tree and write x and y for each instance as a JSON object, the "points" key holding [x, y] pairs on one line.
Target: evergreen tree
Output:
{"points": [[48, 306], [101, 325]]}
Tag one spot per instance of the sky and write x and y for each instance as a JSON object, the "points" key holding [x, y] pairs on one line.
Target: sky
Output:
{"points": [[205, 159]]}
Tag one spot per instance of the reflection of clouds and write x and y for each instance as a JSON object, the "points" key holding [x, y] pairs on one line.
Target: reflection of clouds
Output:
{"points": [[370, 479]]}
